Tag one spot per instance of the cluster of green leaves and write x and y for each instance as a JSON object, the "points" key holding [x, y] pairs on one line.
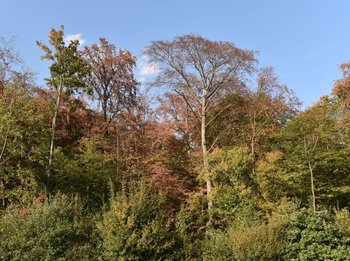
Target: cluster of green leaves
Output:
{"points": [[136, 226], [23, 136], [315, 237], [59, 230]]}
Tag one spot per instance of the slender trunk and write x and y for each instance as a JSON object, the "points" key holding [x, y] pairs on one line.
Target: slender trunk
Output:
{"points": [[205, 155], [252, 143], [105, 118], [312, 187], [2, 182], [1, 87], [118, 145], [52, 141], [7, 131], [2, 187], [5, 143]]}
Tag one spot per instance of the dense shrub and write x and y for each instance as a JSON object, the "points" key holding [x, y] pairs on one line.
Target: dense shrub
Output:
{"points": [[88, 174], [58, 230], [136, 226], [250, 236], [315, 236]]}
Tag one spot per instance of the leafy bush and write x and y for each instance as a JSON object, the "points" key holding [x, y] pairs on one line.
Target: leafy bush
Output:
{"points": [[315, 236], [250, 236], [136, 226], [88, 174], [342, 220], [55, 231]]}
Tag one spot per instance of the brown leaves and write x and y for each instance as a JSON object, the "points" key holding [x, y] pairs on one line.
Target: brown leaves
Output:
{"points": [[342, 86], [197, 68], [111, 78]]}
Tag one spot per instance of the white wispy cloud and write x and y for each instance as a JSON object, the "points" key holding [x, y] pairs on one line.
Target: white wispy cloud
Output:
{"points": [[147, 68], [71, 37]]}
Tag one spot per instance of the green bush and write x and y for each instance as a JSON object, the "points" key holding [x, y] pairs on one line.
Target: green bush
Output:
{"points": [[56, 231], [88, 174], [136, 226], [316, 236], [250, 236], [342, 220]]}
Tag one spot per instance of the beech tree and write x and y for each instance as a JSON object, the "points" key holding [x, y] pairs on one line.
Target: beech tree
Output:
{"points": [[111, 78], [269, 107], [250, 117], [67, 71], [201, 71]]}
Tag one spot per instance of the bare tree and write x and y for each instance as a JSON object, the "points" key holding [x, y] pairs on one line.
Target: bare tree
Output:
{"points": [[201, 71], [10, 60]]}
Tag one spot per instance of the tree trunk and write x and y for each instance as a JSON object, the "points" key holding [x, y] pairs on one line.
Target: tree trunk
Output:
{"points": [[52, 141], [5, 143], [252, 143], [105, 117], [2, 182], [1, 87], [312, 187], [205, 155], [7, 131]]}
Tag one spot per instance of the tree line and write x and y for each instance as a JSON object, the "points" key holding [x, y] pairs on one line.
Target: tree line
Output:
{"points": [[222, 165]]}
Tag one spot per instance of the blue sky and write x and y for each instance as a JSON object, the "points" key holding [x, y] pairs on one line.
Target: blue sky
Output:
{"points": [[306, 40]]}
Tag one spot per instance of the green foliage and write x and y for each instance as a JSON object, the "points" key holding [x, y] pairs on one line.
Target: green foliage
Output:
{"points": [[89, 174], [315, 237], [315, 139], [250, 237], [187, 235], [23, 134], [261, 242], [232, 202], [68, 67], [216, 246], [136, 226], [342, 220], [273, 180], [230, 166], [56, 231], [262, 239], [232, 195]]}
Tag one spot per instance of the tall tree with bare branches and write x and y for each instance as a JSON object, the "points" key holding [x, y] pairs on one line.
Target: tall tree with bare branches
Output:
{"points": [[201, 71]]}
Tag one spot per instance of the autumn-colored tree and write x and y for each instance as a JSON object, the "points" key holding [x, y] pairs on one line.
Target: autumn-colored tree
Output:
{"points": [[174, 113], [74, 121], [250, 117], [269, 107], [201, 71], [111, 78], [342, 86], [68, 70]]}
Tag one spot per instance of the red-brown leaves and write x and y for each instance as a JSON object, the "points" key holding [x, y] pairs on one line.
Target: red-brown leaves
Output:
{"points": [[111, 78], [342, 86]]}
